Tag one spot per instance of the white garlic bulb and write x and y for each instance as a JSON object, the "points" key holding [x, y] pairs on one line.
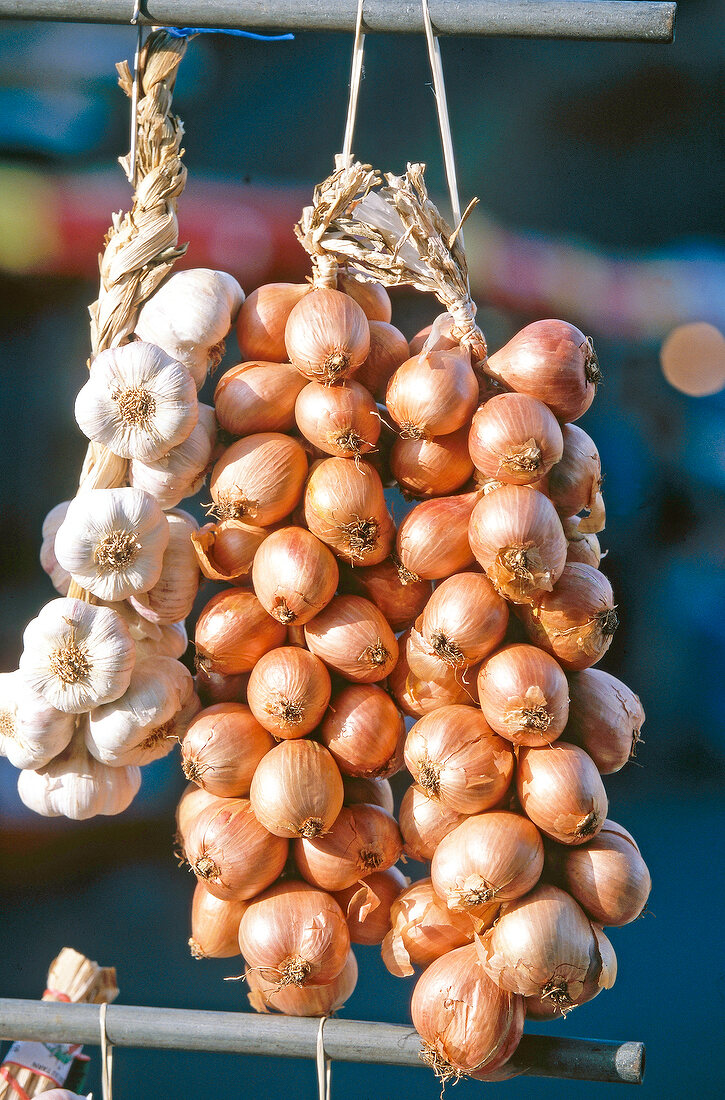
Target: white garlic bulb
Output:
{"points": [[146, 722], [112, 542], [58, 575], [31, 731], [172, 641], [190, 315], [138, 401], [172, 597], [181, 472], [77, 656], [76, 785]]}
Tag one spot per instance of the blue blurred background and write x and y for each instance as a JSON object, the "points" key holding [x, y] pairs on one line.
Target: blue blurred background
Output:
{"points": [[600, 188]]}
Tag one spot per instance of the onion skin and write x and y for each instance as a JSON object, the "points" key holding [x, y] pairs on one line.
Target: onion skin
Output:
{"points": [[258, 397], [607, 876], [363, 730], [432, 467], [517, 537], [455, 757], [432, 539], [297, 789], [222, 747], [263, 318], [190, 806], [295, 576], [225, 551], [372, 298], [467, 1024], [552, 361], [516, 439], [339, 420], [232, 853], [416, 696], [432, 394], [366, 905], [327, 335], [388, 349], [487, 859], [305, 1000], [424, 822], [214, 925], [215, 687], [605, 719], [400, 595], [443, 343], [524, 695], [233, 631], [423, 930], [464, 620], [373, 792], [363, 839], [344, 506], [577, 478], [295, 935], [583, 546], [354, 639], [560, 789], [259, 478], [602, 975], [289, 690], [576, 621]]}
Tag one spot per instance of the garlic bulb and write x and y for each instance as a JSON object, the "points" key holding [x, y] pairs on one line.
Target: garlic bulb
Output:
{"points": [[58, 575], [112, 542], [138, 402], [181, 472], [77, 656], [171, 641], [77, 786], [172, 597], [149, 718], [31, 732], [190, 315]]}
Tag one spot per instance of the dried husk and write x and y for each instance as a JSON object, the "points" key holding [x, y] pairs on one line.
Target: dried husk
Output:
{"points": [[423, 929]]}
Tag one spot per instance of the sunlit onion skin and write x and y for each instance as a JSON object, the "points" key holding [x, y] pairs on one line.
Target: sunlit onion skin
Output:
{"points": [[214, 925], [607, 876], [363, 839], [432, 394], [233, 631], [295, 935], [366, 905], [388, 349], [466, 1022], [443, 343], [257, 397], [423, 929], [375, 792], [372, 298], [517, 537], [416, 696], [583, 546], [222, 747], [605, 718], [304, 1000], [524, 695], [432, 540], [215, 687], [602, 975], [562, 792], [552, 361], [432, 467], [454, 756], [488, 858], [289, 689], [297, 789], [516, 439], [295, 576], [225, 551], [424, 822], [354, 639], [191, 803], [398, 593], [259, 478], [576, 621], [340, 420], [577, 478], [231, 852], [363, 730], [464, 620], [263, 318], [327, 335], [344, 506]]}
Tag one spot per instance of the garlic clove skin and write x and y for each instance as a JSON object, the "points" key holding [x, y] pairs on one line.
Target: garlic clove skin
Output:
{"points": [[173, 641], [31, 732], [172, 597], [75, 785], [180, 473], [112, 542], [77, 656], [138, 401], [58, 575]]}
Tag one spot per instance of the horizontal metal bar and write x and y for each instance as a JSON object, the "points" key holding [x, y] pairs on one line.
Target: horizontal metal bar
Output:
{"points": [[614, 20], [296, 1037]]}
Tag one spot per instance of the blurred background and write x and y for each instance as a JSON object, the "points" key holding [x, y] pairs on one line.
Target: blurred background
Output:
{"points": [[601, 191]]}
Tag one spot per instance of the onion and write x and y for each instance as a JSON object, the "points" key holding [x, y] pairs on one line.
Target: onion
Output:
{"points": [[516, 439], [488, 858], [352, 637], [289, 690], [577, 478], [345, 506], [424, 822], [605, 718], [517, 537], [363, 839], [432, 539], [602, 975], [524, 695], [295, 935], [230, 851], [258, 397], [583, 546], [263, 318], [432, 394], [423, 929], [372, 298], [432, 467], [222, 747], [214, 925], [444, 341], [233, 631], [552, 361], [388, 349], [363, 730], [416, 696], [297, 790], [455, 757], [225, 551], [190, 806], [562, 792], [260, 477], [607, 876], [464, 620], [467, 1024], [366, 905], [214, 687], [375, 792], [398, 593], [294, 576], [339, 420], [577, 620], [327, 335], [305, 1000]]}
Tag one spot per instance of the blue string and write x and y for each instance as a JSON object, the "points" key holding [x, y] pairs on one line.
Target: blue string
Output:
{"points": [[186, 32]]}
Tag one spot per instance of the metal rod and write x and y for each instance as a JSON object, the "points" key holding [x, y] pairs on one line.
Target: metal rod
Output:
{"points": [[296, 1037], [613, 20]]}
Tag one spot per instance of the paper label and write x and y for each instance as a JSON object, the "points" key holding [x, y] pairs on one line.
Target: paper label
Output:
{"points": [[52, 1060]]}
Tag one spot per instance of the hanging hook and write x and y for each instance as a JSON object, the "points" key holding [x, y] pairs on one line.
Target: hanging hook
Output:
{"points": [[135, 22]]}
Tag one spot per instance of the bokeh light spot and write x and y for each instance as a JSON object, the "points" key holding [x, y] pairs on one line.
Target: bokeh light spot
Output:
{"points": [[693, 359]]}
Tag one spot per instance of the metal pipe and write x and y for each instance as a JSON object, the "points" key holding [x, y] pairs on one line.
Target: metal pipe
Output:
{"points": [[613, 20], [296, 1037]]}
